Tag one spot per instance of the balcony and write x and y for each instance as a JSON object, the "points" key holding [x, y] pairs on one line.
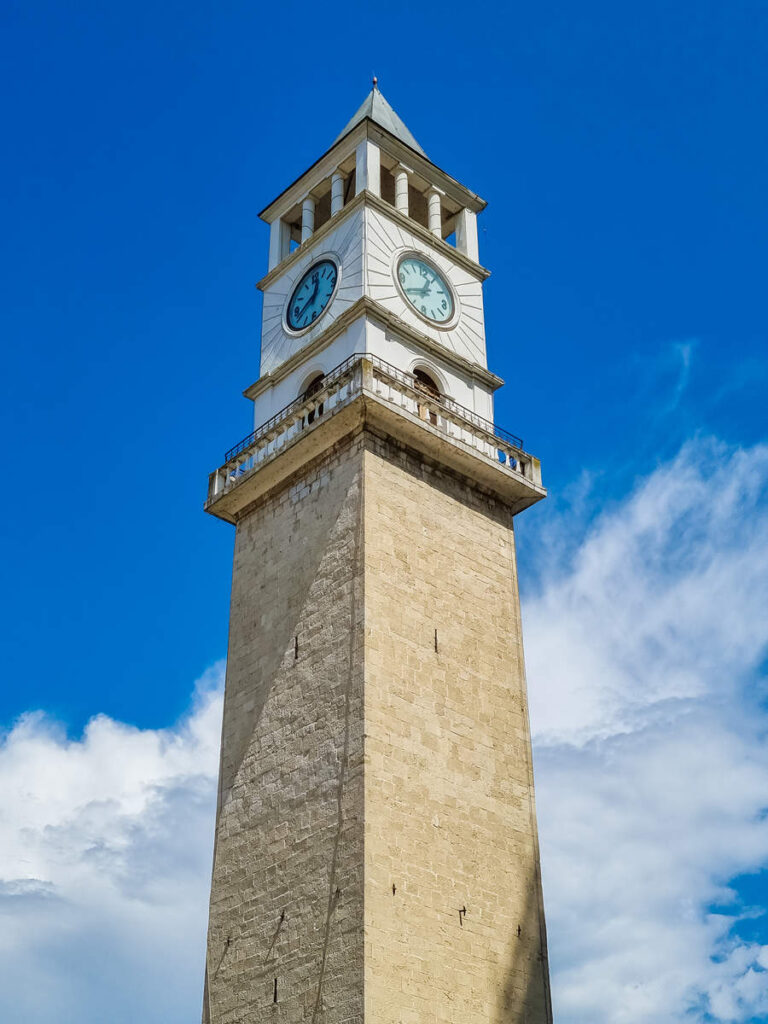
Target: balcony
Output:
{"points": [[366, 389]]}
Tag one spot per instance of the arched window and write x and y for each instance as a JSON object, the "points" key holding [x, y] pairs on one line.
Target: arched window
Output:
{"points": [[311, 389], [427, 386]]}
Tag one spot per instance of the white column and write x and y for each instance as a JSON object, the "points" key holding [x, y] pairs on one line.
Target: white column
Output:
{"points": [[434, 216], [401, 188], [368, 168], [337, 192], [279, 242], [466, 234], [307, 218]]}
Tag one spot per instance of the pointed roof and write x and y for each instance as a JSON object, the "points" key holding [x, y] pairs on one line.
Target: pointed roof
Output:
{"points": [[377, 109]]}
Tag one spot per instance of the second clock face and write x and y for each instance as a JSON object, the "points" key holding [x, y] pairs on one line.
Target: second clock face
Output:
{"points": [[311, 295], [426, 289]]}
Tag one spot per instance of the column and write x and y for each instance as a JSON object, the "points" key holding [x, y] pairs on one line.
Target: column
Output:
{"points": [[434, 216], [401, 188], [279, 242], [337, 192], [466, 234], [307, 218], [368, 168]]}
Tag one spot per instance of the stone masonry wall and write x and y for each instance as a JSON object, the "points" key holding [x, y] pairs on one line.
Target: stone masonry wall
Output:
{"points": [[376, 847], [454, 927]]}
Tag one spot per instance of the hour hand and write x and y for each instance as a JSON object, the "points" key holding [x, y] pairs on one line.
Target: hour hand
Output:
{"points": [[309, 302]]}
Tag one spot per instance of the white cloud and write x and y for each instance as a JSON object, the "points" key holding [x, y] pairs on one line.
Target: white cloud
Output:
{"points": [[105, 865], [652, 767], [644, 645]]}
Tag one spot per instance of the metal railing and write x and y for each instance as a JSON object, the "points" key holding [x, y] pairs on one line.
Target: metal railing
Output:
{"points": [[390, 384], [337, 372]]}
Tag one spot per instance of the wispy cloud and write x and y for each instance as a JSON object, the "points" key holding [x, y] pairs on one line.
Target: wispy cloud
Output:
{"points": [[683, 352]]}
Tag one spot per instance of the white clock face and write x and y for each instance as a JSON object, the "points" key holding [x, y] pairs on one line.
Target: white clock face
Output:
{"points": [[426, 289]]}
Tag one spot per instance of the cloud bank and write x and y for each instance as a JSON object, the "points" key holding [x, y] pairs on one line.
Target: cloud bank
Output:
{"points": [[644, 662], [104, 868], [645, 640]]}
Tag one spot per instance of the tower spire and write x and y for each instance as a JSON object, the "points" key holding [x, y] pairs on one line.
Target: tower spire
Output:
{"points": [[379, 110]]}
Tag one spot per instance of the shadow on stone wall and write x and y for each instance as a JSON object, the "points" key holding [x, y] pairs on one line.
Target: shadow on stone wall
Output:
{"points": [[287, 594], [525, 998], [294, 597]]}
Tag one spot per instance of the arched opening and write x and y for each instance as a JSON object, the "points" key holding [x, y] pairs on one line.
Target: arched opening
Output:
{"points": [[427, 386], [311, 389]]}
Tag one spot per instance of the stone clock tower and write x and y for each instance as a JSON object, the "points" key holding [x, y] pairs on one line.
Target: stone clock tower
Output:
{"points": [[376, 856]]}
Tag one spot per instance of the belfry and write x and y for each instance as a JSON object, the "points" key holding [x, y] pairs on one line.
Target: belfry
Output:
{"points": [[376, 855]]}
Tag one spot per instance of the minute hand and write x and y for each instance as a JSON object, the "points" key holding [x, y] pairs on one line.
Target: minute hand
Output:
{"points": [[310, 300]]}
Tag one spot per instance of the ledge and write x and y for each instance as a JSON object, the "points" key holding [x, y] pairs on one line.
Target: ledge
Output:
{"points": [[366, 198], [369, 307], [345, 146]]}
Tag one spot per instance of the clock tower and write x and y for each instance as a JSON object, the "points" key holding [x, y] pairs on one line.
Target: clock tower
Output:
{"points": [[376, 855]]}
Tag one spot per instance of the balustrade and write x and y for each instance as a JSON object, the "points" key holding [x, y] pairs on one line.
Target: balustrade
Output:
{"points": [[390, 385]]}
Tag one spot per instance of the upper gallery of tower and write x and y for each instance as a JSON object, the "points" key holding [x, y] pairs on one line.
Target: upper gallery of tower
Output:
{"points": [[374, 249]]}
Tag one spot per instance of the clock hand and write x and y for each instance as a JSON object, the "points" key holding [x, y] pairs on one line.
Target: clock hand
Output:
{"points": [[309, 301], [419, 291]]}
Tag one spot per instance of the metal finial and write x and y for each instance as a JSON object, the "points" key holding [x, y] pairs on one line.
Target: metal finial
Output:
{"points": [[375, 82]]}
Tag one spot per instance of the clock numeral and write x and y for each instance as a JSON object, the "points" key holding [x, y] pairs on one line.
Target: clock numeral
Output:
{"points": [[444, 304]]}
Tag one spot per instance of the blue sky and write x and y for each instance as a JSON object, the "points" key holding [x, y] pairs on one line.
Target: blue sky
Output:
{"points": [[623, 153]]}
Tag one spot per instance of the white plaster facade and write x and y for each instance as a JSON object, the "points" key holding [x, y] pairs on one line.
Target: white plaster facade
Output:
{"points": [[366, 245], [345, 246]]}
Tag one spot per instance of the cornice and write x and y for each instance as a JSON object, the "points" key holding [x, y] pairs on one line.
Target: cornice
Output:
{"points": [[369, 412], [319, 170], [425, 235], [374, 202], [322, 232], [325, 165], [424, 167], [339, 325], [366, 306]]}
